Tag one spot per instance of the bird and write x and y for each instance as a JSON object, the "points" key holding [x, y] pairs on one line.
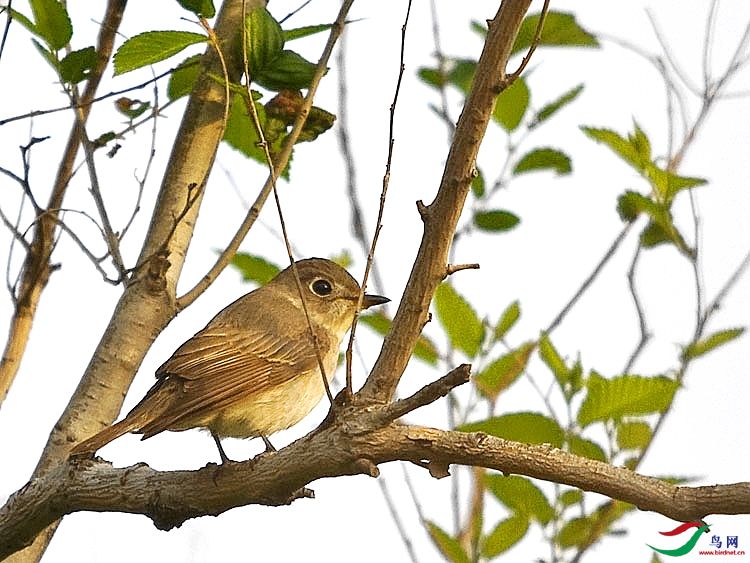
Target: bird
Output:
{"points": [[253, 370]]}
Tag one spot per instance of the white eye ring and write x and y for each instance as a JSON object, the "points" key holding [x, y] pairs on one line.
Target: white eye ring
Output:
{"points": [[321, 287]]}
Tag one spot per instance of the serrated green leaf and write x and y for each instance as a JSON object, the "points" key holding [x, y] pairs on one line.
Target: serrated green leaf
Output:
{"points": [[477, 184], [305, 31], [574, 532], [425, 349], [52, 23], [496, 220], [625, 395], [504, 371], [151, 47], [448, 546], [459, 320], [507, 320], [288, 71], [553, 107], [544, 159], [254, 268], [505, 535], [586, 448], [571, 497], [77, 65], [560, 30], [552, 359], [705, 345], [621, 146], [521, 496], [202, 8], [265, 40], [511, 105], [634, 435], [526, 427], [182, 80]]}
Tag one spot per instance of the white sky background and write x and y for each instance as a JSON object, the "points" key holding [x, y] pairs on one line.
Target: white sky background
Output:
{"points": [[566, 226]]}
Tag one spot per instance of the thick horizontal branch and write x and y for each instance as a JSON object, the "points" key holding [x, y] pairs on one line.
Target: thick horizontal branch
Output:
{"points": [[349, 446]]}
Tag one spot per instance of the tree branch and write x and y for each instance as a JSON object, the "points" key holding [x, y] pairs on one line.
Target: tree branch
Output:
{"points": [[441, 216], [347, 447]]}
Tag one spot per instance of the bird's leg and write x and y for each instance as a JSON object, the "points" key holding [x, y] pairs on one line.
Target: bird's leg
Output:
{"points": [[269, 445], [224, 458]]}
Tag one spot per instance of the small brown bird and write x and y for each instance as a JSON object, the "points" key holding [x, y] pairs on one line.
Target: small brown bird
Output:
{"points": [[253, 370]]}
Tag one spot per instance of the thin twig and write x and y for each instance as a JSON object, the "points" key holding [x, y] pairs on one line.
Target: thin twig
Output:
{"points": [[442, 71], [110, 238], [640, 312], [590, 279], [393, 511], [383, 193], [86, 104], [532, 47]]}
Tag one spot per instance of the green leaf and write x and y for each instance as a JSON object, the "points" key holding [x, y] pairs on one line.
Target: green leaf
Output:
{"points": [[477, 184], [506, 534], [240, 132], [305, 31], [507, 320], [574, 532], [254, 268], [552, 359], [631, 204], [265, 40], [77, 65], [151, 47], [526, 427], [553, 107], [511, 105], [544, 159], [425, 349], [571, 497], [464, 329], [182, 80], [560, 30], [625, 395], [521, 496], [705, 345], [633, 435], [432, 77], [48, 55], [288, 71], [504, 371], [52, 23], [495, 220], [621, 146], [461, 74], [23, 20], [586, 448], [448, 546], [201, 8]]}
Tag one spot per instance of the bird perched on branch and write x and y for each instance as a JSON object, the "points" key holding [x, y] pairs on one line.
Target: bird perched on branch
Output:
{"points": [[254, 369]]}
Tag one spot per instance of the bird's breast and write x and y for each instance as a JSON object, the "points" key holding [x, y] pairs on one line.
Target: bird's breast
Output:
{"points": [[276, 408]]}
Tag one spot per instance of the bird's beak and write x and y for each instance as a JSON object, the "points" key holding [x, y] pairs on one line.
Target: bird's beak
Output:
{"points": [[371, 300]]}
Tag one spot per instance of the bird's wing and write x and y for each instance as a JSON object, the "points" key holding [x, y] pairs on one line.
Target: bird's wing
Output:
{"points": [[221, 366]]}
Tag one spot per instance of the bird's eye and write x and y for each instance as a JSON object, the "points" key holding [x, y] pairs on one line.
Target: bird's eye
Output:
{"points": [[321, 287]]}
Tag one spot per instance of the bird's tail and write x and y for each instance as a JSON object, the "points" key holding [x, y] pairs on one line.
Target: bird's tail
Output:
{"points": [[104, 437]]}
